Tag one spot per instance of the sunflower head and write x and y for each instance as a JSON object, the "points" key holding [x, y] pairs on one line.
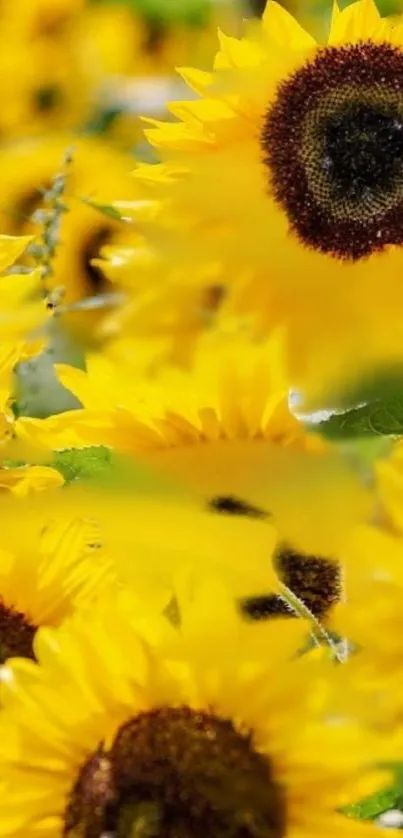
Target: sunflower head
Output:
{"points": [[28, 170], [288, 173], [333, 145], [225, 430], [214, 781], [180, 739], [42, 583]]}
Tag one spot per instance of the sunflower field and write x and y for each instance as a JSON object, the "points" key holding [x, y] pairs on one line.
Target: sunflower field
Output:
{"points": [[201, 418]]}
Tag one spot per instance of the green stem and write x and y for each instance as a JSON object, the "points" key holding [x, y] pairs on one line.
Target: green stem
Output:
{"points": [[319, 633]]}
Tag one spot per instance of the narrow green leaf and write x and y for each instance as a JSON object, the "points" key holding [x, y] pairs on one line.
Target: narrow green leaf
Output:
{"points": [[105, 209]]}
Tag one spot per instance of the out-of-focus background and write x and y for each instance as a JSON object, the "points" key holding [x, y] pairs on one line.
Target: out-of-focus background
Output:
{"points": [[94, 65], [75, 78]]}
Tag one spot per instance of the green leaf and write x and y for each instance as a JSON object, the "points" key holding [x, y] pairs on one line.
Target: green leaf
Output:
{"points": [[169, 12], [386, 7], [102, 121], [84, 463], [373, 806], [378, 418], [108, 470], [105, 209]]}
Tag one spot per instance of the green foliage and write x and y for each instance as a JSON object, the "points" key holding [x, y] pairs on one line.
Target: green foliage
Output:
{"points": [[102, 121], [386, 7], [169, 12], [388, 798], [104, 209], [85, 463], [373, 806], [378, 418], [100, 465]]}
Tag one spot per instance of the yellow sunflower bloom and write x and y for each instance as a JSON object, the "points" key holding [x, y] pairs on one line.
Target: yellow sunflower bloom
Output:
{"points": [[97, 170], [225, 431], [41, 585], [170, 319], [130, 725], [21, 309], [370, 621], [287, 172], [55, 93], [153, 538], [44, 17], [20, 480], [389, 486], [149, 45]]}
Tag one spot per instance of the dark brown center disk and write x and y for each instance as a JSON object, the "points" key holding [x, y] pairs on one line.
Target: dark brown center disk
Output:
{"points": [[177, 773], [332, 143], [314, 580], [96, 281], [16, 634]]}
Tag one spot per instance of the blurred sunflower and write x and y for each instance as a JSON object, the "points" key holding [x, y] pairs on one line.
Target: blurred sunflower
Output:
{"points": [[225, 432], [389, 489], [370, 620], [60, 570], [130, 725], [55, 93], [287, 171], [167, 323], [27, 169], [151, 38], [42, 18], [147, 558], [21, 480], [224, 429], [22, 309]]}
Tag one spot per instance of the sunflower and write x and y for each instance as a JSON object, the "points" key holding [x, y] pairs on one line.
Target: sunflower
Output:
{"points": [[168, 321], [42, 18], [150, 39], [59, 570], [154, 536], [389, 486], [132, 726], [27, 169], [287, 172], [22, 311], [55, 93], [20, 480], [370, 620], [225, 433], [224, 429]]}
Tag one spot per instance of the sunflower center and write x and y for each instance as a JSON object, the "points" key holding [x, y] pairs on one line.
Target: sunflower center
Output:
{"points": [[48, 98], [363, 151], [96, 280], [25, 206], [177, 773], [333, 145], [16, 634], [314, 580]]}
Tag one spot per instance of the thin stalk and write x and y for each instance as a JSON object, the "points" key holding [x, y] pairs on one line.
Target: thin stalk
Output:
{"points": [[319, 633]]}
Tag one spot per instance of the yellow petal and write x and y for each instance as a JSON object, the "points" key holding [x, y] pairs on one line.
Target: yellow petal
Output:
{"points": [[355, 23], [22, 481], [11, 247], [16, 287], [283, 29]]}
